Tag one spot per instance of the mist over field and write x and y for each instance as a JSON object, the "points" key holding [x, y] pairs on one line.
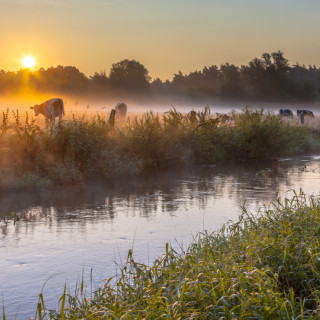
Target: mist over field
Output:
{"points": [[90, 105]]}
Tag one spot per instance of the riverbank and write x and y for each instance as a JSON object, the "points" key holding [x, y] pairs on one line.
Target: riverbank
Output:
{"points": [[82, 149], [264, 267]]}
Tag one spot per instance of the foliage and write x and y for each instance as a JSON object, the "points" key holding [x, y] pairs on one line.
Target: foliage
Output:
{"points": [[258, 134], [130, 74]]}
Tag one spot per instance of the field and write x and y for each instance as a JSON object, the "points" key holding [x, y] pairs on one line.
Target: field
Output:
{"points": [[85, 147]]}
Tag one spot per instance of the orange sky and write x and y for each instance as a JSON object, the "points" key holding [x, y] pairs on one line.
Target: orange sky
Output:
{"points": [[166, 36]]}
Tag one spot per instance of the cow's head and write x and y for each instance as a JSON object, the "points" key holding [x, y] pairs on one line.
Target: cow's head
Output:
{"points": [[36, 109]]}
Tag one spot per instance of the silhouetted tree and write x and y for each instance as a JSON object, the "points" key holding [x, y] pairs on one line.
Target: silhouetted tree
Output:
{"points": [[198, 83], [267, 76], [159, 86], [211, 76], [130, 74], [231, 84], [60, 78], [179, 83]]}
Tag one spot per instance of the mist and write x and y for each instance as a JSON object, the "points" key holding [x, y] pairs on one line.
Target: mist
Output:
{"points": [[89, 104]]}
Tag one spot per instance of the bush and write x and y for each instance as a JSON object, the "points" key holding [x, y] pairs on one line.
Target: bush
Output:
{"points": [[257, 135]]}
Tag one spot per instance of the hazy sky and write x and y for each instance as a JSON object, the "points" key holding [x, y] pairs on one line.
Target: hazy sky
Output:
{"points": [[165, 35]]}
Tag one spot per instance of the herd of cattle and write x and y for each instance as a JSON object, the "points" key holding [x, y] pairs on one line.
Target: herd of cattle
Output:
{"points": [[300, 112], [55, 108]]}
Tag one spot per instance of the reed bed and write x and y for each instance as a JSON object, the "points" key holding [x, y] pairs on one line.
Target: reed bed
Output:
{"points": [[263, 266], [85, 146]]}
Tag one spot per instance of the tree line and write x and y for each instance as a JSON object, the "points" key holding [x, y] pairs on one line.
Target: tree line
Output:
{"points": [[268, 78]]}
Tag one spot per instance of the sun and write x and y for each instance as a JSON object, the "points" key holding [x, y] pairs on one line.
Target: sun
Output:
{"points": [[28, 61]]}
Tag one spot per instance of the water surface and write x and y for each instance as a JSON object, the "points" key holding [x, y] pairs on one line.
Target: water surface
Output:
{"points": [[65, 234]]}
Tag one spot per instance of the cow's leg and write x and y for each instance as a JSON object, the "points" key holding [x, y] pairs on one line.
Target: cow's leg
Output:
{"points": [[47, 122], [53, 120]]}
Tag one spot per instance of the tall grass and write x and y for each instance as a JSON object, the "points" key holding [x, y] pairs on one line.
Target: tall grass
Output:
{"points": [[84, 148], [260, 267]]}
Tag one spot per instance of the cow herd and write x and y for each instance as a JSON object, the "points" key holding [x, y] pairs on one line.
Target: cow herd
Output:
{"points": [[300, 113], [55, 108]]}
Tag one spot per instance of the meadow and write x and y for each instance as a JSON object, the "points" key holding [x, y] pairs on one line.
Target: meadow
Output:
{"points": [[83, 147]]}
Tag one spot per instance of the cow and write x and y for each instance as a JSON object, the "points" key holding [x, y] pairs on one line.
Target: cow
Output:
{"points": [[121, 109], [224, 118], [286, 113], [192, 116], [301, 112], [50, 109]]}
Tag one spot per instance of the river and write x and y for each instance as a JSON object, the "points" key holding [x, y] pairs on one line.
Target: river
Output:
{"points": [[67, 234]]}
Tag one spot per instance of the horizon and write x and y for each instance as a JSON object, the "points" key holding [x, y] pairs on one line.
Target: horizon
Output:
{"points": [[34, 70], [167, 37]]}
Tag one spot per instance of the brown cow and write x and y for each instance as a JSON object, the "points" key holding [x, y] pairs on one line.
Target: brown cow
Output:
{"points": [[50, 109]]}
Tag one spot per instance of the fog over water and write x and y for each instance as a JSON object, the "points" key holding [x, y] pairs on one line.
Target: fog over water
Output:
{"points": [[65, 233]]}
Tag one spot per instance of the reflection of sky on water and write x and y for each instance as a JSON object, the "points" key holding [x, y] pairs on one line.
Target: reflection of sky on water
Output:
{"points": [[68, 231]]}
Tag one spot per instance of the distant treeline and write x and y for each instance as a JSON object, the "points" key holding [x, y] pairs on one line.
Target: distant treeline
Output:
{"points": [[269, 78]]}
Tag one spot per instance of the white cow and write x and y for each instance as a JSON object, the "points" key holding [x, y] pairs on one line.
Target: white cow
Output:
{"points": [[121, 109], [50, 109]]}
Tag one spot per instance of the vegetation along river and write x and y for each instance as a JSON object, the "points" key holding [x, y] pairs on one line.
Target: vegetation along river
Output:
{"points": [[68, 234]]}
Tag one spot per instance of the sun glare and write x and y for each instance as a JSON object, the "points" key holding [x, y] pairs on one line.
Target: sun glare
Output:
{"points": [[28, 62]]}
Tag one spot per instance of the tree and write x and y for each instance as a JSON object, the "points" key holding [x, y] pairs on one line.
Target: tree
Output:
{"points": [[161, 87], [231, 83], [268, 76], [130, 75], [62, 78]]}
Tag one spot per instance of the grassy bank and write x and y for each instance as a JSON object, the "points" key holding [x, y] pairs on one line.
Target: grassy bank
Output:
{"points": [[264, 267], [85, 148]]}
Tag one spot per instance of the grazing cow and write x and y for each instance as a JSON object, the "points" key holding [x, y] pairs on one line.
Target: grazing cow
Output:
{"points": [[192, 116], [286, 113], [224, 118], [301, 112], [50, 109], [121, 109]]}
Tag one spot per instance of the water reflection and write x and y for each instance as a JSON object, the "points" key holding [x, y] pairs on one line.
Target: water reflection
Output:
{"points": [[66, 231], [169, 192]]}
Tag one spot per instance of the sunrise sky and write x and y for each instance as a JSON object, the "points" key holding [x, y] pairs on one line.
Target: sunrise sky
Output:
{"points": [[165, 35]]}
